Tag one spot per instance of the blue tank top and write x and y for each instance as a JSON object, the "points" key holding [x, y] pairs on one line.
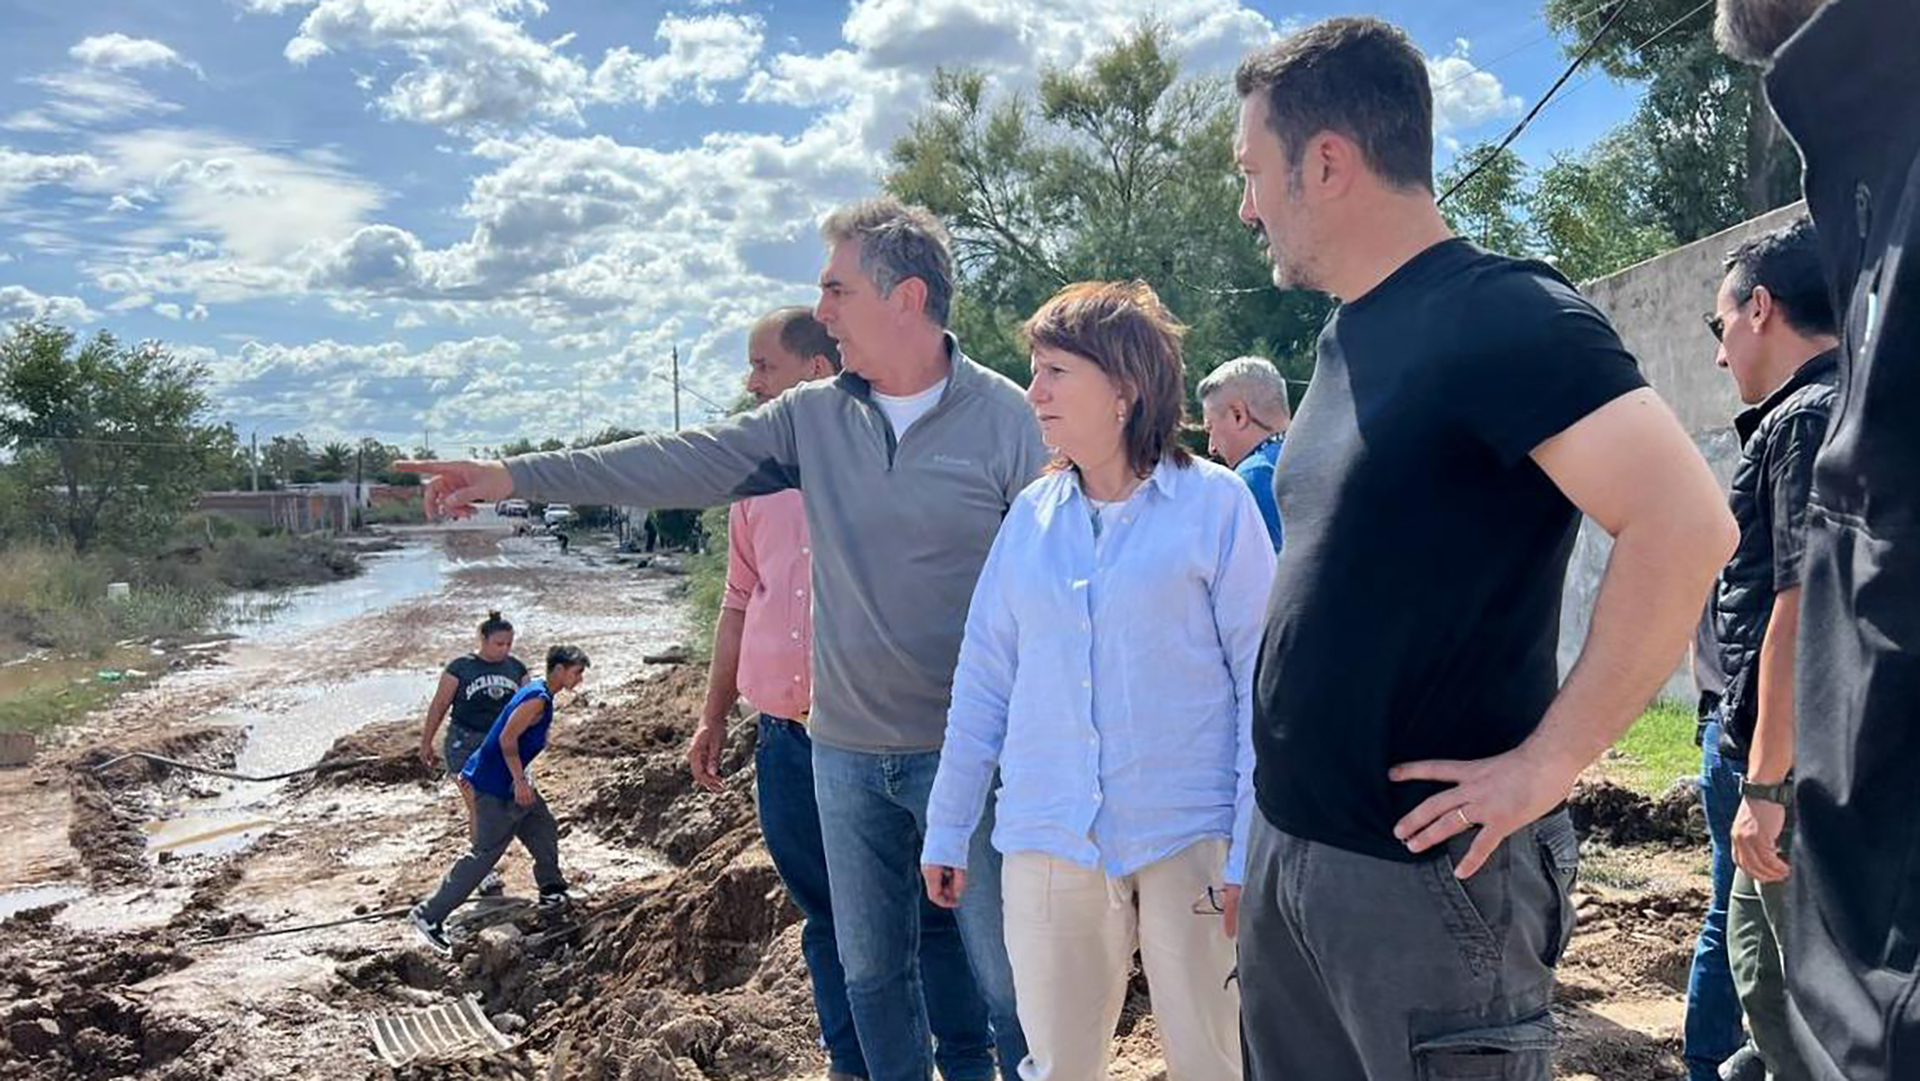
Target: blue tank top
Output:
{"points": [[486, 768]]}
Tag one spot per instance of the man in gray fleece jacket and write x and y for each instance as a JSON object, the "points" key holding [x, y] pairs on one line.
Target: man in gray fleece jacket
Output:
{"points": [[909, 460]]}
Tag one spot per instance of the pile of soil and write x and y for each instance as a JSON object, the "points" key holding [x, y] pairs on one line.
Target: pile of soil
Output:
{"points": [[1618, 815], [67, 1015]]}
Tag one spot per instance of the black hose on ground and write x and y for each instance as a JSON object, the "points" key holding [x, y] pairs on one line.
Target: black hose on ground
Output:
{"points": [[322, 767]]}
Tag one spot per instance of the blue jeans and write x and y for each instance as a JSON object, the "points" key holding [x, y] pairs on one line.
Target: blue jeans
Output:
{"points": [[873, 819], [790, 822], [1713, 1029]]}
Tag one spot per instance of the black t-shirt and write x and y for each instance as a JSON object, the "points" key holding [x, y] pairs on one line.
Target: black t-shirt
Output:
{"points": [[1415, 613], [484, 689]]}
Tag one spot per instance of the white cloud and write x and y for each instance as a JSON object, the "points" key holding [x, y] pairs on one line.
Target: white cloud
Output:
{"points": [[262, 206], [20, 170], [118, 52], [806, 81], [88, 96], [472, 62], [1463, 95], [170, 310], [473, 391], [702, 53], [19, 303]]}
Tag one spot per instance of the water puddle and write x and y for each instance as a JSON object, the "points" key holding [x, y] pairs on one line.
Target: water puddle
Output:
{"points": [[206, 834], [289, 728], [14, 901], [388, 579]]}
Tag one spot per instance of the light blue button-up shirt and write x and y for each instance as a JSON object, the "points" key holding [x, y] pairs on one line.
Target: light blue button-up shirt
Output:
{"points": [[1109, 678]]}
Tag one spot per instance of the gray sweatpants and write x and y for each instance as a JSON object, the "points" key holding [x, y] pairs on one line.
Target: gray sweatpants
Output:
{"points": [[496, 822], [1354, 968]]}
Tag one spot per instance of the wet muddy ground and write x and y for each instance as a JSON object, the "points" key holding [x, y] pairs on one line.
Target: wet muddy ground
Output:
{"points": [[680, 961]]}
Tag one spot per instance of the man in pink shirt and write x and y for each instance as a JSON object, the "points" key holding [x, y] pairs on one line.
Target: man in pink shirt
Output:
{"points": [[762, 649]]}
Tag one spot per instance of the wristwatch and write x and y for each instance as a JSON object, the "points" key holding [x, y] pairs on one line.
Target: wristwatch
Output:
{"points": [[1781, 793]]}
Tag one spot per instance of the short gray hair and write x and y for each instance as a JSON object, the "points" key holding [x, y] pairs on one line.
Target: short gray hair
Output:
{"points": [[1253, 380], [897, 242]]}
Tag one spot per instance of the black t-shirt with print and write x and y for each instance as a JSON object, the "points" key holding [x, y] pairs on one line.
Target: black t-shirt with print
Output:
{"points": [[1416, 610], [484, 689]]}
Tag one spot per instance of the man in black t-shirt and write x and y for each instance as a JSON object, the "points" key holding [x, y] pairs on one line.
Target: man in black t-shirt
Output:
{"points": [[1407, 882]]}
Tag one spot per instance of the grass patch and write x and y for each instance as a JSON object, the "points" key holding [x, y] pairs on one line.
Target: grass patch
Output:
{"points": [[56, 598], [1657, 750], [33, 708], [394, 512], [707, 583]]}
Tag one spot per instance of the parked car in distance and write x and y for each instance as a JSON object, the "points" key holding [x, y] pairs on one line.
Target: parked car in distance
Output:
{"points": [[511, 508], [557, 513]]}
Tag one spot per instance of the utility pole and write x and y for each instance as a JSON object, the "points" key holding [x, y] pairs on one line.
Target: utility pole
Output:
{"points": [[254, 457], [676, 386], [359, 483]]}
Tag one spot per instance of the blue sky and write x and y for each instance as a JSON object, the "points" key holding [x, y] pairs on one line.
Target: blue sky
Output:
{"points": [[482, 219]]}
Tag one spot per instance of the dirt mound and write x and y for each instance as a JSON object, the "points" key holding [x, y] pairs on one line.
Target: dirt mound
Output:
{"points": [[68, 1014], [658, 712], [392, 751], [1620, 816], [1644, 939], [651, 800]]}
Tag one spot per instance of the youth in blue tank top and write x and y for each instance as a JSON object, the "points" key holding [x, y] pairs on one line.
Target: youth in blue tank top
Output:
{"points": [[486, 770]]}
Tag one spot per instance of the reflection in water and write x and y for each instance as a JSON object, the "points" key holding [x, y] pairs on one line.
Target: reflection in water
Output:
{"points": [[207, 834], [12, 901]]}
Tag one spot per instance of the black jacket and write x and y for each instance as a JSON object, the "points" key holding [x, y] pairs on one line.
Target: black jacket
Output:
{"points": [[1847, 88], [1778, 440]]}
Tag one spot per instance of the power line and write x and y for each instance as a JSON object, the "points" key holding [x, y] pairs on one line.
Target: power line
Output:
{"points": [[1664, 31], [1573, 20], [1592, 46]]}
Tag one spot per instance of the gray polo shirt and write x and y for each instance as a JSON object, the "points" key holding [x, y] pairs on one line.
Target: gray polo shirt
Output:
{"points": [[900, 526]]}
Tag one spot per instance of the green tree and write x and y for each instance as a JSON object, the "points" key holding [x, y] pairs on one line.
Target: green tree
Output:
{"points": [[612, 433], [1119, 169], [1591, 212], [334, 462], [1718, 155], [1489, 209], [287, 459], [108, 441]]}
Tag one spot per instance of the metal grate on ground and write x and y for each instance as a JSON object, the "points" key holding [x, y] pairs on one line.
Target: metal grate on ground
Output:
{"points": [[446, 1033]]}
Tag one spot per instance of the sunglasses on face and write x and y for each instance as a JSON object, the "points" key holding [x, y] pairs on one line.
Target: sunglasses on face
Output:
{"points": [[1716, 325]]}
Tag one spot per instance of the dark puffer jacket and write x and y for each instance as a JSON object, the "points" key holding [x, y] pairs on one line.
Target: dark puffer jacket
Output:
{"points": [[1778, 439]]}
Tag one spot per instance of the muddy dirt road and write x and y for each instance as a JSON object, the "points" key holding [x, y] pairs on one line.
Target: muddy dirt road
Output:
{"points": [[681, 960]]}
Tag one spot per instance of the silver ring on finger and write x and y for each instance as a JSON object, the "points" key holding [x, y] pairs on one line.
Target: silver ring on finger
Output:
{"points": [[1461, 814]]}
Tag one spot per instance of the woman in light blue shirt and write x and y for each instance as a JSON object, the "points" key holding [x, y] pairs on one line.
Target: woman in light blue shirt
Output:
{"points": [[1106, 675]]}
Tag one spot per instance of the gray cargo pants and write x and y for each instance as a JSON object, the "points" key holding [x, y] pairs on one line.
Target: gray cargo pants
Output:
{"points": [[496, 822], [1354, 968]]}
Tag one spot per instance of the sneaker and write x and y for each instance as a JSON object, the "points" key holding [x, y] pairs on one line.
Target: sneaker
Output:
{"points": [[554, 901], [1744, 1065], [434, 935], [493, 885]]}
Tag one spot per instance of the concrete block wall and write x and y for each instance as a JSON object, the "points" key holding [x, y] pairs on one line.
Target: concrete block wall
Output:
{"points": [[1657, 307]]}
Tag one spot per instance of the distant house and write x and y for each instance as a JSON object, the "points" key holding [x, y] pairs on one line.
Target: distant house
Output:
{"points": [[293, 511]]}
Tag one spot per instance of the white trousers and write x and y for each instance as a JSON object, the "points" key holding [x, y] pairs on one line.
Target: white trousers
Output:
{"points": [[1071, 933]]}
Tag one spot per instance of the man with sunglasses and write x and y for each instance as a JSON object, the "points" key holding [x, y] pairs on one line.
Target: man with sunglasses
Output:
{"points": [[1774, 321], [1243, 405]]}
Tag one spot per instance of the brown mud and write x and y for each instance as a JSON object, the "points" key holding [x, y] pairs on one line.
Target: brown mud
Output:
{"points": [[680, 959]]}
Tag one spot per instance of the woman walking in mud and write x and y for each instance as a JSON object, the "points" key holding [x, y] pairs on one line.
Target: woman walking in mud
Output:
{"points": [[506, 803], [473, 688], [1106, 673]]}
